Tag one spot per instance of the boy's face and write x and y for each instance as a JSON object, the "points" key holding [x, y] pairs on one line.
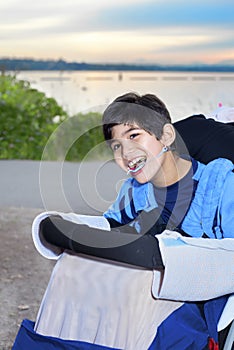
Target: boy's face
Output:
{"points": [[135, 151]]}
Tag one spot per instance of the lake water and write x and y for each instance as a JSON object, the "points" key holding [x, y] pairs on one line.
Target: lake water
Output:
{"points": [[183, 93]]}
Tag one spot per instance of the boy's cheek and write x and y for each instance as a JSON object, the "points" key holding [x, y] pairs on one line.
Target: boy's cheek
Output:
{"points": [[120, 163]]}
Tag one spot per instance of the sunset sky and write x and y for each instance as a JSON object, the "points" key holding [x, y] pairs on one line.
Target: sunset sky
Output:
{"points": [[123, 31]]}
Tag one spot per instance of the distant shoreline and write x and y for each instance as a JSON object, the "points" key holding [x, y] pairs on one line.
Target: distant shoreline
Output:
{"points": [[14, 64]]}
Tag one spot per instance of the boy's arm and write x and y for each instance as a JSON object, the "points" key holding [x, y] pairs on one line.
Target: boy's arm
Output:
{"points": [[116, 226]]}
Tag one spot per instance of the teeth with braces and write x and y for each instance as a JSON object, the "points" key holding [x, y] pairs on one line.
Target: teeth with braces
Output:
{"points": [[136, 164]]}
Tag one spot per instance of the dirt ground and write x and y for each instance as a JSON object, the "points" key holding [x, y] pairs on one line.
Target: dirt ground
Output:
{"points": [[24, 274]]}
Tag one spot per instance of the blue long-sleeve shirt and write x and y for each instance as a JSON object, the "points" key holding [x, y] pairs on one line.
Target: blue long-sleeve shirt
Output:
{"points": [[210, 204]]}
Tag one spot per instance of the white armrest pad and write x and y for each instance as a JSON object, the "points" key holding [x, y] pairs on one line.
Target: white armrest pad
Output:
{"points": [[44, 248], [195, 268], [50, 251]]}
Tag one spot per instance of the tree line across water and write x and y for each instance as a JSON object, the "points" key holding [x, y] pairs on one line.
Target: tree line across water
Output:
{"points": [[19, 64]]}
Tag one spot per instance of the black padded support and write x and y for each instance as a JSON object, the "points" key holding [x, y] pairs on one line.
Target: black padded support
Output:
{"points": [[138, 250], [206, 139]]}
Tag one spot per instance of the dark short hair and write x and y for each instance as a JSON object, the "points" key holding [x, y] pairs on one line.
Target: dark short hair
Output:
{"points": [[147, 111]]}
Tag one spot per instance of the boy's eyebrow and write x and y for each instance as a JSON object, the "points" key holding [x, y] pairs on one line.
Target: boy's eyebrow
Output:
{"points": [[131, 128]]}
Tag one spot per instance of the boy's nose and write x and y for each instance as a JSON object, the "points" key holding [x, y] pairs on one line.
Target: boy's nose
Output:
{"points": [[128, 150]]}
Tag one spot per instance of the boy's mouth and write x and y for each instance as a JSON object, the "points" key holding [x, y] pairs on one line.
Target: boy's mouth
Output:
{"points": [[136, 164]]}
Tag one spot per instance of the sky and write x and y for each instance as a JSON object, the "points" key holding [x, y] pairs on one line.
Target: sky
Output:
{"points": [[119, 31]]}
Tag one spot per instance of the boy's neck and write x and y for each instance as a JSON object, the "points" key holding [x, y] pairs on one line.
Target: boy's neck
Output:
{"points": [[173, 170]]}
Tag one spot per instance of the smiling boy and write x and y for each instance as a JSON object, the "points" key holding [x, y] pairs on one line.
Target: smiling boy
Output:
{"points": [[162, 174], [140, 154], [166, 189]]}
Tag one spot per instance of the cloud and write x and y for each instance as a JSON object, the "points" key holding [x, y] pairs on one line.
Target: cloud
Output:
{"points": [[168, 14], [89, 15], [215, 39], [111, 31]]}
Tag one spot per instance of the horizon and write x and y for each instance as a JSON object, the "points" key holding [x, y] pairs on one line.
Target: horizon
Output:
{"points": [[229, 63]]}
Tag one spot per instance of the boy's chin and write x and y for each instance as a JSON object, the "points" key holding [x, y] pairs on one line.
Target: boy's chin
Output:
{"points": [[141, 179]]}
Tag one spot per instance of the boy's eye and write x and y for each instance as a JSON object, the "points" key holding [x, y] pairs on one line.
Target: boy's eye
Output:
{"points": [[132, 136], [115, 147]]}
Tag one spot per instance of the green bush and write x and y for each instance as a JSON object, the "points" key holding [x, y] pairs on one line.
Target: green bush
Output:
{"points": [[29, 129], [26, 119], [78, 138]]}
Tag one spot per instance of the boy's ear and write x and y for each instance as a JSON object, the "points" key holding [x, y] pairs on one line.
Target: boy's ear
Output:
{"points": [[168, 136]]}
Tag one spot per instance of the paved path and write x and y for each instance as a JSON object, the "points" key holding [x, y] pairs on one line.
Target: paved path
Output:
{"points": [[26, 189], [87, 188]]}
